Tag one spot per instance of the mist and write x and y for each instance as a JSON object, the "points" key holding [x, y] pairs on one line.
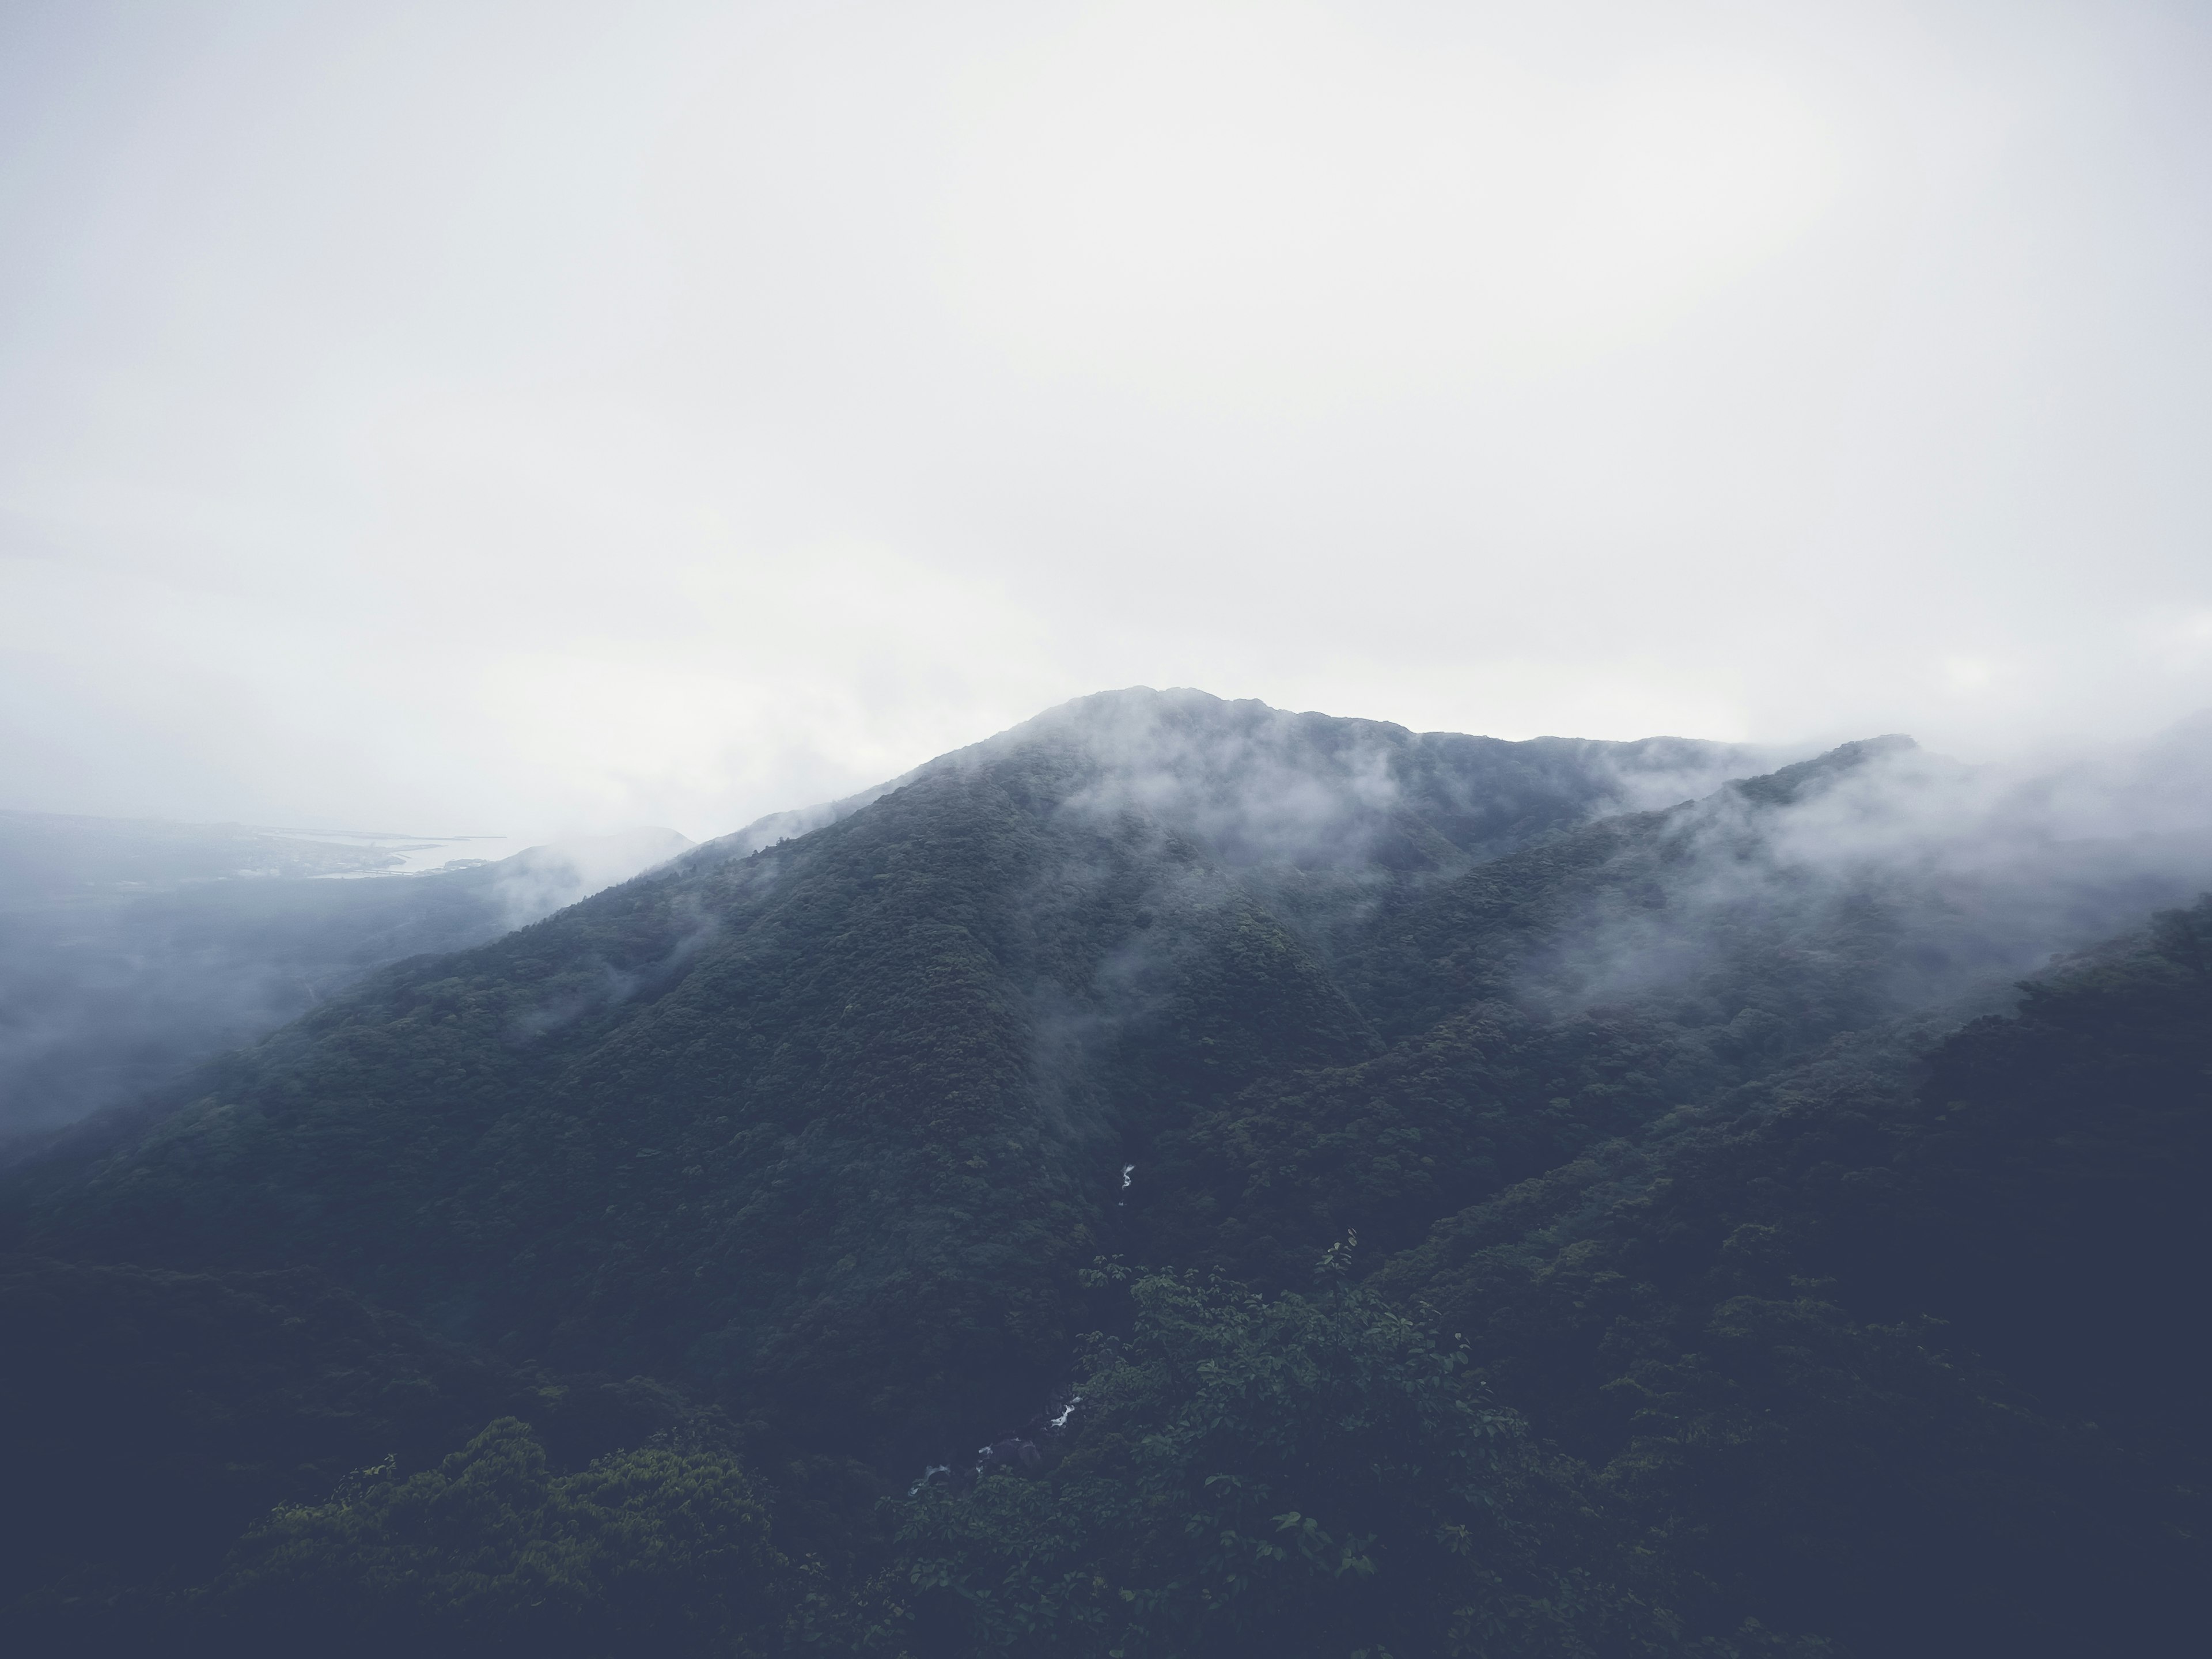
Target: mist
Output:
{"points": [[848, 1116], [1729, 889], [544, 421], [1934, 886], [131, 952], [1755, 905]]}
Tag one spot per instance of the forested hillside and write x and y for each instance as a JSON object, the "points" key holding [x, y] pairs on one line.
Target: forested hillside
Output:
{"points": [[1367, 1192]]}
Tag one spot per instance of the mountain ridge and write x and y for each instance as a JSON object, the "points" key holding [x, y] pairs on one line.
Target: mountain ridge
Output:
{"points": [[838, 1140], [1027, 980], [1015, 968]]}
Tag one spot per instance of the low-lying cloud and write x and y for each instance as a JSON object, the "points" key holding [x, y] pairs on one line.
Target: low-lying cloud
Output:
{"points": [[131, 950]]}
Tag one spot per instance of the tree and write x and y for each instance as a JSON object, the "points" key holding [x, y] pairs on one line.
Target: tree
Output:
{"points": [[1305, 1474], [658, 1549]]}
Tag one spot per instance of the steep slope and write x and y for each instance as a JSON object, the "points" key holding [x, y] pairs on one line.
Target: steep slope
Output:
{"points": [[1895, 1344]]}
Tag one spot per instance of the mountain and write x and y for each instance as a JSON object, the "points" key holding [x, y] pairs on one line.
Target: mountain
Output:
{"points": [[1631, 1095], [132, 950], [834, 1122]]}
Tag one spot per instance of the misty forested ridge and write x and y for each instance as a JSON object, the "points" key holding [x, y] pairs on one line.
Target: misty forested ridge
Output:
{"points": [[1178, 1178]]}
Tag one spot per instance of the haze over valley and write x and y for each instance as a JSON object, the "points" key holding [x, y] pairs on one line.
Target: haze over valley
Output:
{"points": [[130, 949]]}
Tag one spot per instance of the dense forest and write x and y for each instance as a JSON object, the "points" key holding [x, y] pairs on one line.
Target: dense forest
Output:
{"points": [[1178, 1179]]}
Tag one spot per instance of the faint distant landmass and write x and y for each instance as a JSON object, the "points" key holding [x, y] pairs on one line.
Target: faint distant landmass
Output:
{"points": [[131, 948]]}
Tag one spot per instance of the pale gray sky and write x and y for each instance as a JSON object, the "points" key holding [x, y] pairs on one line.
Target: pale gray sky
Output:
{"points": [[535, 418]]}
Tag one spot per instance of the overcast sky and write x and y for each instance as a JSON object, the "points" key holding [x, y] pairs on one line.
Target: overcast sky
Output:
{"points": [[529, 418]]}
